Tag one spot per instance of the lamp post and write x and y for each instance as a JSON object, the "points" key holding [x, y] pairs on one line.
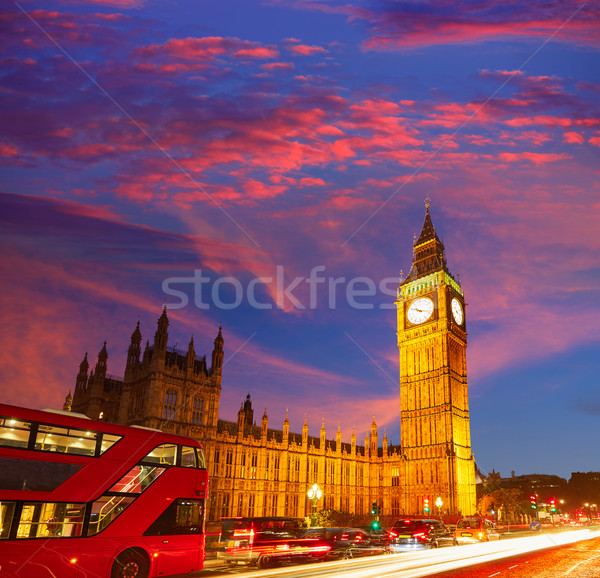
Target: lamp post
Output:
{"points": [[314, 495], [439, 505]]}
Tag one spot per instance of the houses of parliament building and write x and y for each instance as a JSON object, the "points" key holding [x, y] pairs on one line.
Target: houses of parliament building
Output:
{"points": [[260, 470]]}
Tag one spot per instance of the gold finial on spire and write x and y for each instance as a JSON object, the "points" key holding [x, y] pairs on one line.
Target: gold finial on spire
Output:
{"points": [[427, 201]]}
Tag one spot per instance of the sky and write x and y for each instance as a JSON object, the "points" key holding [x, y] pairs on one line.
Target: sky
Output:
{"points": [[264, 166]]}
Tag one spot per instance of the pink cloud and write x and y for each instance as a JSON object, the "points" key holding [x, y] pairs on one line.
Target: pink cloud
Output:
{"points": [[206, 49], [278, 66], [257, 52], [305, 50], [258, 190], [311, 182], [330, 130], [397, 29], [573, 138], [535, 158], [8, 150]]}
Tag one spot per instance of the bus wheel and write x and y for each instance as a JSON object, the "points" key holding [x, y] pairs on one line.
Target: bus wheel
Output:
{"points": [[130, 564]]}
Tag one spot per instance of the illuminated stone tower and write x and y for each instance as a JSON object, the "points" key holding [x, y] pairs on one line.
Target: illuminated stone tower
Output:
{"points": [[434, 405]]}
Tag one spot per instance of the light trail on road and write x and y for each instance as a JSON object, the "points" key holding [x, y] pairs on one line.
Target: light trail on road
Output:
{"points": [[430, 562]]}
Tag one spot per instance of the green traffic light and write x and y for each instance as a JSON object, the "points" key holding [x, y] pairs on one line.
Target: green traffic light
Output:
{"points": [[375, 525]]}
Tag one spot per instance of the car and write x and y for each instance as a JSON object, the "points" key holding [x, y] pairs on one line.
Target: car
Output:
{"points": [[415, 534], [268, 541], [378, 536], [347, 542], [472, 530]]}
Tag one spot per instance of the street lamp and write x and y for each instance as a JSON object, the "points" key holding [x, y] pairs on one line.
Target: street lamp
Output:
{"points": [[439, 504], [314, 494]]}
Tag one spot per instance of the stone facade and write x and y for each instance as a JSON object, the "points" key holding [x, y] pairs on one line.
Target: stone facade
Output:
{"points": [[256, 470]]}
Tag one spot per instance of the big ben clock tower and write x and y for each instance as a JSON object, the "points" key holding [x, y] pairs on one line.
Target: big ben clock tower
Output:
{"points": [[434, 405]]}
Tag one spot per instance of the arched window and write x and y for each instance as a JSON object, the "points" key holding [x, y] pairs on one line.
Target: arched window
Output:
{"points": [[170, 406], [197, 410]]}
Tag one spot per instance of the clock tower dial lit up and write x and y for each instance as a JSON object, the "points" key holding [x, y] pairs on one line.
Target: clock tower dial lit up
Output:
{"points": [[434, 403], [457, 311], [420, 310]]}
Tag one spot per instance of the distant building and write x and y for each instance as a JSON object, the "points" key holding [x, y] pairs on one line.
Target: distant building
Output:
{"points": [[257, 470], [584, 487], [544, 486]]}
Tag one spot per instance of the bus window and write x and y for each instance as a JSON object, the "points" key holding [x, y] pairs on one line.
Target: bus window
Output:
{"points": [[61, 439], [201, 459], [50, 520], [108, 440], [163, 454], [137, 479], [104, 510], [188, 457], [7, 511], [34, 475], [14, 432], [183, 516]]}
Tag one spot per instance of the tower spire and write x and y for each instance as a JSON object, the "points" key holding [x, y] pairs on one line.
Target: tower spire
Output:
{"points": [[428, 251], [161, 336], [217, 356]]}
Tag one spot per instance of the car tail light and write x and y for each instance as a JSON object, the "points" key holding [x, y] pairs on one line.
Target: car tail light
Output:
{"points": [[344, 537], [420, 536], [392, 534], [358, 538]]}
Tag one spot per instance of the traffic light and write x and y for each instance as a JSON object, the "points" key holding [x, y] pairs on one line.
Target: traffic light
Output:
{"points": [[426, 506], [533, 500], [553, 505], [493, 508], [375, 525], [374, 509]]}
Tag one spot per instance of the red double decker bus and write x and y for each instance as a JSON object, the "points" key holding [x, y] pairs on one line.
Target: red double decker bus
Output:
{"points": [[82, 498]]}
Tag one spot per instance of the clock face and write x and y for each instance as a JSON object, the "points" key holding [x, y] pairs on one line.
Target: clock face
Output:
{"points": [[457, 311], [420, 310]]}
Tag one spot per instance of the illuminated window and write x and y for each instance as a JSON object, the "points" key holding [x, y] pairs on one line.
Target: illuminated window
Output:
{"points": [[225, 506], [7, 511], [188, 457], [137, 479], [395, 507], [216, 458], [198, 410], [170, 407], [104, 510], [53, 438], [229, 464], [243, 465], [50, 520], [274, 505], [163, 454], [14, 432]]}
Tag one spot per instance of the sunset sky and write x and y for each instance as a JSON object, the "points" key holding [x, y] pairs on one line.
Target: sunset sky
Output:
{"points": [[146, 141]]}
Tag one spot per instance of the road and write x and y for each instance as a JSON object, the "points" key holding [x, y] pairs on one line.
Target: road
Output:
{"points": [[579, 560], [574, 554]]}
